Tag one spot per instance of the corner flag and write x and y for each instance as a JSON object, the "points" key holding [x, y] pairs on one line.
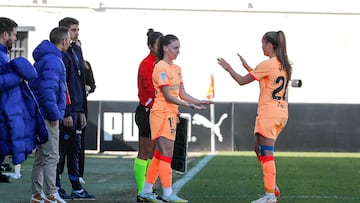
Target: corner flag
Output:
{"points": [[211, 89], [210, 96]]}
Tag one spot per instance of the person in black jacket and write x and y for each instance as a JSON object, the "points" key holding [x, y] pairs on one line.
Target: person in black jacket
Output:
{"points": [[74, 120], [89, 78]]}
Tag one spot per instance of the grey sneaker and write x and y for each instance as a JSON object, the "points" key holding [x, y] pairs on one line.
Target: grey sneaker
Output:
{"points": [[150, 197], [174, 198], [266, 199]]}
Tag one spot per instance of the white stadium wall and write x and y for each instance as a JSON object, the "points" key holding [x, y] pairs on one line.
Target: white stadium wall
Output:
{"points": [[322, 37]]}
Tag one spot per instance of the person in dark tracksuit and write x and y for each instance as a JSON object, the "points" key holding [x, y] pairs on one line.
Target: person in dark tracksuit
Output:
{"points": [[74, 119]]}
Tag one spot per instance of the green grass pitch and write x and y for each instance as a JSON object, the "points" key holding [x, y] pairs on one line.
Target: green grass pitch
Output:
{"points": [[227, 177]]}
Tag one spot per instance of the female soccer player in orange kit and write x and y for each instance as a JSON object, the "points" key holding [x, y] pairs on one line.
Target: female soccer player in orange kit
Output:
{"points": [[272, 113], [169, 87]]}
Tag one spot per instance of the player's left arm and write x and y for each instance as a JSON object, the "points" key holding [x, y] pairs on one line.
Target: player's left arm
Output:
{"points": [[187, 97], [169, 98]]}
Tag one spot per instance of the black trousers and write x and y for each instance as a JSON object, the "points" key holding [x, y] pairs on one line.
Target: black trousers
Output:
{"points": [[69, 150], [82, 154]]}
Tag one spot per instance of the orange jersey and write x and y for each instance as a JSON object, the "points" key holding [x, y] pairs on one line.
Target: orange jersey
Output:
{"points": [[273, 83], [165, 74]]}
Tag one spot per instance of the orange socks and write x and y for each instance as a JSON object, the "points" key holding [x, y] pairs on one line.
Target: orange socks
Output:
{"points": [[160, 165], [269, 172], [152, 172], [165, 174]]}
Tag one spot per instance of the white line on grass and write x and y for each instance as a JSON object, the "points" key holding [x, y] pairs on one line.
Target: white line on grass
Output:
{"points": [[181, 182], [319, 197], [310, 197]]}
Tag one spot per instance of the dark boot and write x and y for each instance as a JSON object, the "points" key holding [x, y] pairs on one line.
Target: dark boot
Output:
{"points": [[4, 178]]}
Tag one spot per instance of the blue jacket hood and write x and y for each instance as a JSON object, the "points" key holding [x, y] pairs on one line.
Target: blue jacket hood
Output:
{"points": [[50, 87], [46, 47]]}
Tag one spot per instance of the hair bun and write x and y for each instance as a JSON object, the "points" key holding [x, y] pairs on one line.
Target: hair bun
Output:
{"points": [[150, 31]]}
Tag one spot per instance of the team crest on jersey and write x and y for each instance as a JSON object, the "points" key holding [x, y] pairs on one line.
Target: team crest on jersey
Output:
{"points": [[163, 76]]}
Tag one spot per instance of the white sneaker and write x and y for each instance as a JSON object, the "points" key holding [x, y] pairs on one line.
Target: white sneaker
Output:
{"points": [[54, 198], [266, 199], [37, 199], [13, 175], [174, 198], [149, 197], [81, 179]]}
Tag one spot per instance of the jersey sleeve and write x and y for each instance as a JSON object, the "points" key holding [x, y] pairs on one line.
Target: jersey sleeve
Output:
{"points": [[145, 77], [161, 75], [261, 71]]}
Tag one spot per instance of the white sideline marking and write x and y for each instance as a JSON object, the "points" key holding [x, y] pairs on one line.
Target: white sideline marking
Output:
{"points": [[318, 197], [310, 197], [181, 182]]}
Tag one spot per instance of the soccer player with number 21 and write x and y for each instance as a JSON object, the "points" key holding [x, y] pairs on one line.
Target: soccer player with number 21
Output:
{"points": [[273, 75]]}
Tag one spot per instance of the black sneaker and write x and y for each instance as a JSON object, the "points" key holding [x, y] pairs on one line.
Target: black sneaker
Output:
{"points": [[5, 167], [4, 178], [64, 195], [157, 195], [140, 199], [82, 195]]}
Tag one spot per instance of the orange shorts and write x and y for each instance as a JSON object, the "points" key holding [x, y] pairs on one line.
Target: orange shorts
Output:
{"points": [[269, 127], [163, 124]]}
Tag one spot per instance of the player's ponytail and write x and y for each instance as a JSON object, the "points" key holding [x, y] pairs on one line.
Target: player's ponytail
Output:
{"points": [[152, 37], [281, 53], [278, 41], [160, 52]]}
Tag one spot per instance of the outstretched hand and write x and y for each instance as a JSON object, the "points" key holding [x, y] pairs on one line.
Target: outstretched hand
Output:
{"points": [[196, 106], [244, 63], [224, 64], [205, 102]]}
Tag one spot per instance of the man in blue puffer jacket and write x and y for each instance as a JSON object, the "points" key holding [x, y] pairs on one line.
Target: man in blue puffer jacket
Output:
{"points": [[21, 123], [49, 89], [22, 127]]}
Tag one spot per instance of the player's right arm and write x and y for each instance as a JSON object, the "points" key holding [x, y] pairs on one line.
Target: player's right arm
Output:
{"points": [[241, 80], [245, 64]]}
